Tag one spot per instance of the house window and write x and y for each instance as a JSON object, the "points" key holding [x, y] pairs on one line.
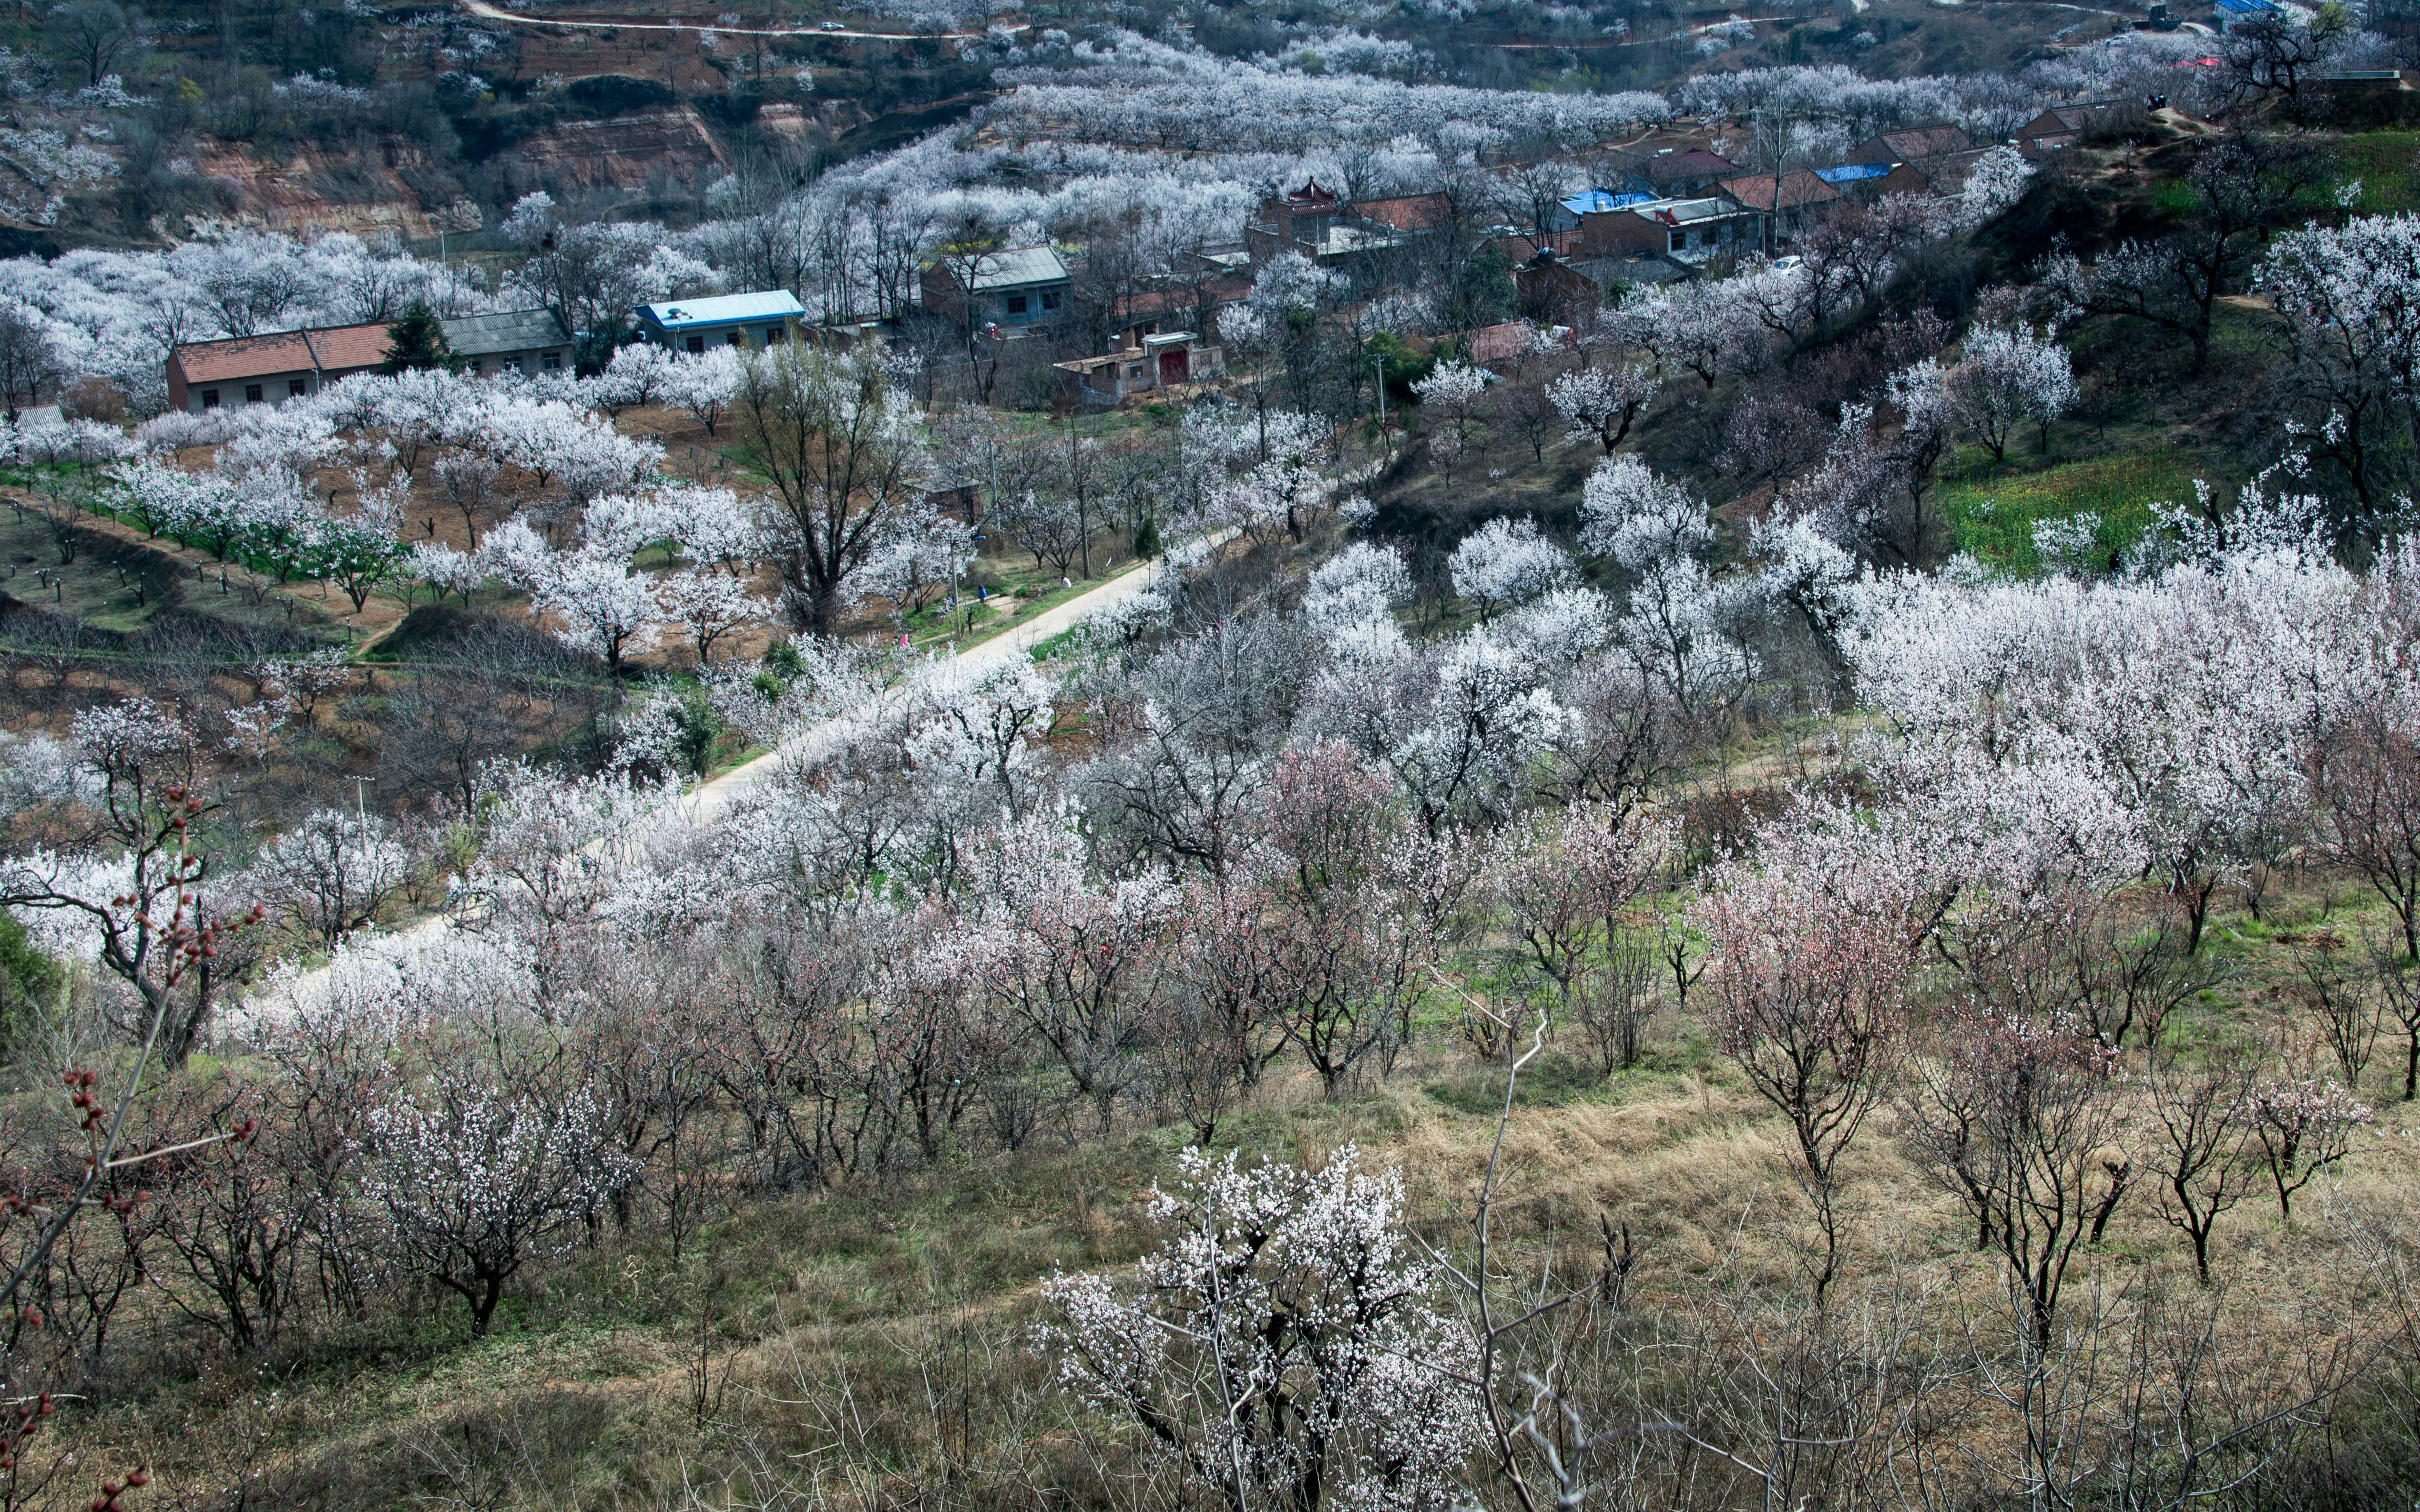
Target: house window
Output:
{"points": [[1016, 304], [210, 398], [1135, 371], [511, 364], [697, 344], [478, 365], [1680, 240], [775, 336], [739, 338], [552, 361], [296, 388], [1050, 301], [252, 393]]}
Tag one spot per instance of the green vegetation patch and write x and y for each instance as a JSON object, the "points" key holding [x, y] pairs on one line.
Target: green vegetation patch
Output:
{"points": [[1991, 513], [2387, 164]]}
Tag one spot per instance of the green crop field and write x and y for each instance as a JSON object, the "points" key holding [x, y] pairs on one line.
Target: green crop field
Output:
{"points": [[1991, 513]]}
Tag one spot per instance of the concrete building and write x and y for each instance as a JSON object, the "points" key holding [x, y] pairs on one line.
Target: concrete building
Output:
{"points": [[271, 369], [757, 321], [1158, 365], [510, 341], [1692, 230]]}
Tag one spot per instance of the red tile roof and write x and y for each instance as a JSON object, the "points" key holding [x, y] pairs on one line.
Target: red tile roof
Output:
{"points": [[1795, 189], [1927, 142], [244, 357], [344, 348], [1500, 343], [1213, 292], [339, 350], [1408, 213]]}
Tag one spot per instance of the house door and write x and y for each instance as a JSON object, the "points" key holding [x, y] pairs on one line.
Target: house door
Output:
{"points": [[1173, 365]]}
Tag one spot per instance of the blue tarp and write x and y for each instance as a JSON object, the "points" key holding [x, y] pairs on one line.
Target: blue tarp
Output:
{"points": [[1597, 201], [1853, 172]]}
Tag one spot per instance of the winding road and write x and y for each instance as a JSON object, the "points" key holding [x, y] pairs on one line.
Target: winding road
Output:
{"points": [[484, 11]]}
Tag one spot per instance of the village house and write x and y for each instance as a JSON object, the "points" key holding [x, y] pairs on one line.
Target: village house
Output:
{"points": [[1913, 145], [510, 341], [757, 321], [1569, 211], [1679, 174], [1784, 205], [271, 369], [1155, 365], [1409, 215], [1291, 222], [1940, 178], [1315, 222], [2065, 126], [1014, 287], [1177, 301], [1547, 287], [1692, 230]]}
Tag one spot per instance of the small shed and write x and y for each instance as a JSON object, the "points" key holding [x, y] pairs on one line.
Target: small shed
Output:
{"points": [[1160, 364]]}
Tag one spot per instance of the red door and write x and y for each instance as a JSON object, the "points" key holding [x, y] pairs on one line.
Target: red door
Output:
{"points": [[1173, 365]]}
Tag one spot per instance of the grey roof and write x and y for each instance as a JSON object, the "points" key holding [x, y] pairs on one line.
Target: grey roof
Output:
{"points": [[722, 309], [1686, 212], [1017, 268], [505, 330]]}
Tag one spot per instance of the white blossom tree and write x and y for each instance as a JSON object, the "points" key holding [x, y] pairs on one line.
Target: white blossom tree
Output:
{"points": [[1507, 562], [2007, 375], [1601, 403], [1283, 1347], [478, 1172]]}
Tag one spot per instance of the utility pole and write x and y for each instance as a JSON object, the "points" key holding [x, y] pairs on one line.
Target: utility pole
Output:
{"points": [[1075, 481], [362, 818], [1378, 360]]}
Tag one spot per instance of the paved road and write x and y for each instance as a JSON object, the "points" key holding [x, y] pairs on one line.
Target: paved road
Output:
{"points": [[488, 13], [710, 799]]}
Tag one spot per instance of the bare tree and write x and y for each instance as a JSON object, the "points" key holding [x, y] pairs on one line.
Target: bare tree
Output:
{"points": [[2018, 1120], [839, 448], [1809, 982], [30, 365], [2202, 1116]]}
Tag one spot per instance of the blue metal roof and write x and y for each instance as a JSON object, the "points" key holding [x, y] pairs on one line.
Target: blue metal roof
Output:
{"points": [[2246, 8], [1597, 201], [722, 309], [1851, 172]]}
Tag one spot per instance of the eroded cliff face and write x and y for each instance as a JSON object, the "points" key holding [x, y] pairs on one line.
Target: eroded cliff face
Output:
{"points": [[622, 151], [369, 194], [396, 189]]}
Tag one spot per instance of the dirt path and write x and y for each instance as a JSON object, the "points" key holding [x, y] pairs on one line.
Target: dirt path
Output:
{"points": [[488, 13]]}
